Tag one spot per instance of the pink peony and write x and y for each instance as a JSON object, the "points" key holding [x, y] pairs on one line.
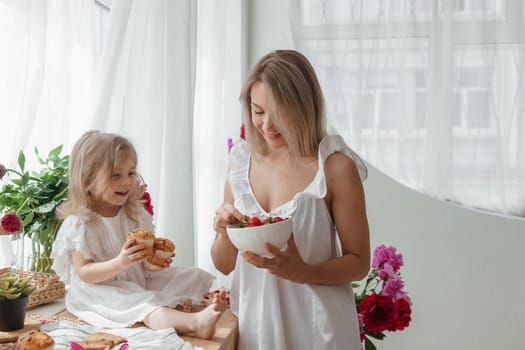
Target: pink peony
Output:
{"points": [[386, 258], [230, 144], [394, 288], [11, 223]]}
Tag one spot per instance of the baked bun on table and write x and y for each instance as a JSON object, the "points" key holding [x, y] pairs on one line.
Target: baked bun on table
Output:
{"points": [[145, 237], [164, 249], [101, 341], [35, 340]]}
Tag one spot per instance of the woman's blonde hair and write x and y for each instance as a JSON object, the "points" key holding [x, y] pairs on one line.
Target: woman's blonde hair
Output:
{"points": [[91, 164], [295, 102]]}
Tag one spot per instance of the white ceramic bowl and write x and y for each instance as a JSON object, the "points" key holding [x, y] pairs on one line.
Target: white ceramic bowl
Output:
{"points": [[252, 238]]}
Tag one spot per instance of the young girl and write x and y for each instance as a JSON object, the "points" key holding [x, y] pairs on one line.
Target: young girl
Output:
{"points": [[111, 284], [301, 297]]}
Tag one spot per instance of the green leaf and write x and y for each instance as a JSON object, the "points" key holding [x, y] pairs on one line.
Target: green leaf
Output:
{"points": [[28, 218], [369, 345], [21, 160], [376, 335], [55, 151], [46, 208]]}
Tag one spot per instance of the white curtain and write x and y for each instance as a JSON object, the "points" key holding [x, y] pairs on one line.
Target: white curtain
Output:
{"points": [[144, 90], [70, 66], [429, 92], [217, 113], [48, 54]]}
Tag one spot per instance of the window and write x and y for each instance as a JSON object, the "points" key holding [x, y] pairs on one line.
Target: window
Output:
{"points": [[427, 91]]}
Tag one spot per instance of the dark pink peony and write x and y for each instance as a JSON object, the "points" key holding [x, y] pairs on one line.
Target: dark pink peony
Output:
{"points": [[146, 200], [11, 223], [403, 315], [379, 312], [243, 133], [2, 171]]}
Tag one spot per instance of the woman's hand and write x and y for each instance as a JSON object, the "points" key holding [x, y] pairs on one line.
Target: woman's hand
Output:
{"points": [[226, 215], [287, 264], [223, 252]]}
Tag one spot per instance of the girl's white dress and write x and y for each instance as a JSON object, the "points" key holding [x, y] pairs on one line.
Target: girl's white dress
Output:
{"points": [[275, 313], [129, 296]]}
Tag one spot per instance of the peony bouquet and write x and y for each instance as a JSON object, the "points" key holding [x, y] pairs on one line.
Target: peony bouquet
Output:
{"points": [[382, 304]]}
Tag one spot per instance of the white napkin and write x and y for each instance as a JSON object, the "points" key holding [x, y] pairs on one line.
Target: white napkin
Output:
{"points": [[64, 332]]}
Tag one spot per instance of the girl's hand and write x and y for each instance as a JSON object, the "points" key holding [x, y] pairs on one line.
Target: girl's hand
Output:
{"points": [[226, 215], [287, 264], [130, 254], [152, 267]]}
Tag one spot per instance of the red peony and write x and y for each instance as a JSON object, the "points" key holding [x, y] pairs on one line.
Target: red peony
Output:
{"points": [[379, 312], [403, 315], [383, 304], [146, 200], [11, 223], [243, 132]]}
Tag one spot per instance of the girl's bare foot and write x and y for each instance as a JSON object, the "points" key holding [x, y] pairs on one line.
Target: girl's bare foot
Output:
{"points": [[207, 318]]}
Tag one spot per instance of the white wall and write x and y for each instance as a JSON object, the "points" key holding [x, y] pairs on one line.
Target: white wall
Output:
{"points": [[463, 269]]}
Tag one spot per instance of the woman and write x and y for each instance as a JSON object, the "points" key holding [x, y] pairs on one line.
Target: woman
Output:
{"points": [[301, 297]]}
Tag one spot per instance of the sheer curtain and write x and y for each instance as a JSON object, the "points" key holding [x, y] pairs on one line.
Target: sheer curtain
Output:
{"points": [[70, 66], [48, 56], [144, 90], [217, 113], [429, 92]]}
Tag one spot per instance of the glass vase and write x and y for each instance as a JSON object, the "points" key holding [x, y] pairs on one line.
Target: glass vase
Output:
{"points": [[7, 256]]}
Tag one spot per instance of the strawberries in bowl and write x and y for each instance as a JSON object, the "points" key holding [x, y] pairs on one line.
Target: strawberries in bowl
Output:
{"points": [[251, 234]]}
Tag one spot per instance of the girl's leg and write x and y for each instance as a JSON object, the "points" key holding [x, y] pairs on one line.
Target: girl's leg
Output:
{"points": [[201, 323]]}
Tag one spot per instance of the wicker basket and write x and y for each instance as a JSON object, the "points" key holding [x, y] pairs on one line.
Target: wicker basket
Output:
{"points": [[48, 287]]}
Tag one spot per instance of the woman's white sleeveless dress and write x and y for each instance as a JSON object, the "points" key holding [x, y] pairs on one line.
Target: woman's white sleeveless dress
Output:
{"points": [[277, 314]]}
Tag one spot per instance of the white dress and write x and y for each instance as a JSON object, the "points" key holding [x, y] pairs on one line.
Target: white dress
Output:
{"points": [[275, 313], [129, 296]]}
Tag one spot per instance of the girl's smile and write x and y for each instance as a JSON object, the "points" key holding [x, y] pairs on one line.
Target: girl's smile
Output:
{"points": [[121, 184]]}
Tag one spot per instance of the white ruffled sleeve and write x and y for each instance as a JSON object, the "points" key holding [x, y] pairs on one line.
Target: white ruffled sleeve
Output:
{"points": [[335, 143], [71, 236], [329, 145]]}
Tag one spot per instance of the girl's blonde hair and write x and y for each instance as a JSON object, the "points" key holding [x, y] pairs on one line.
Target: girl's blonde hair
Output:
{"points": [[91, 164], [295, 102]]}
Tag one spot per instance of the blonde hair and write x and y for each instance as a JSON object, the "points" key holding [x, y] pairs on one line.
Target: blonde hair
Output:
{"points": [[91, 164], [295, 102]]}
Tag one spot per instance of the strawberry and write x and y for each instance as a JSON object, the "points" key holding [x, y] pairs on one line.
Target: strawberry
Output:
{"points": [[277, 219], [254, 221]]}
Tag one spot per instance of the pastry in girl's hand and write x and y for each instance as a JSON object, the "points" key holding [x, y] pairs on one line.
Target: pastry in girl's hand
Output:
{"points": [[145, 237], [35, 340], [163, 250]]}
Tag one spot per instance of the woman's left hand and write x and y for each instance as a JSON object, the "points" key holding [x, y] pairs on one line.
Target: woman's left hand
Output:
{"points": [[286, 264]]}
